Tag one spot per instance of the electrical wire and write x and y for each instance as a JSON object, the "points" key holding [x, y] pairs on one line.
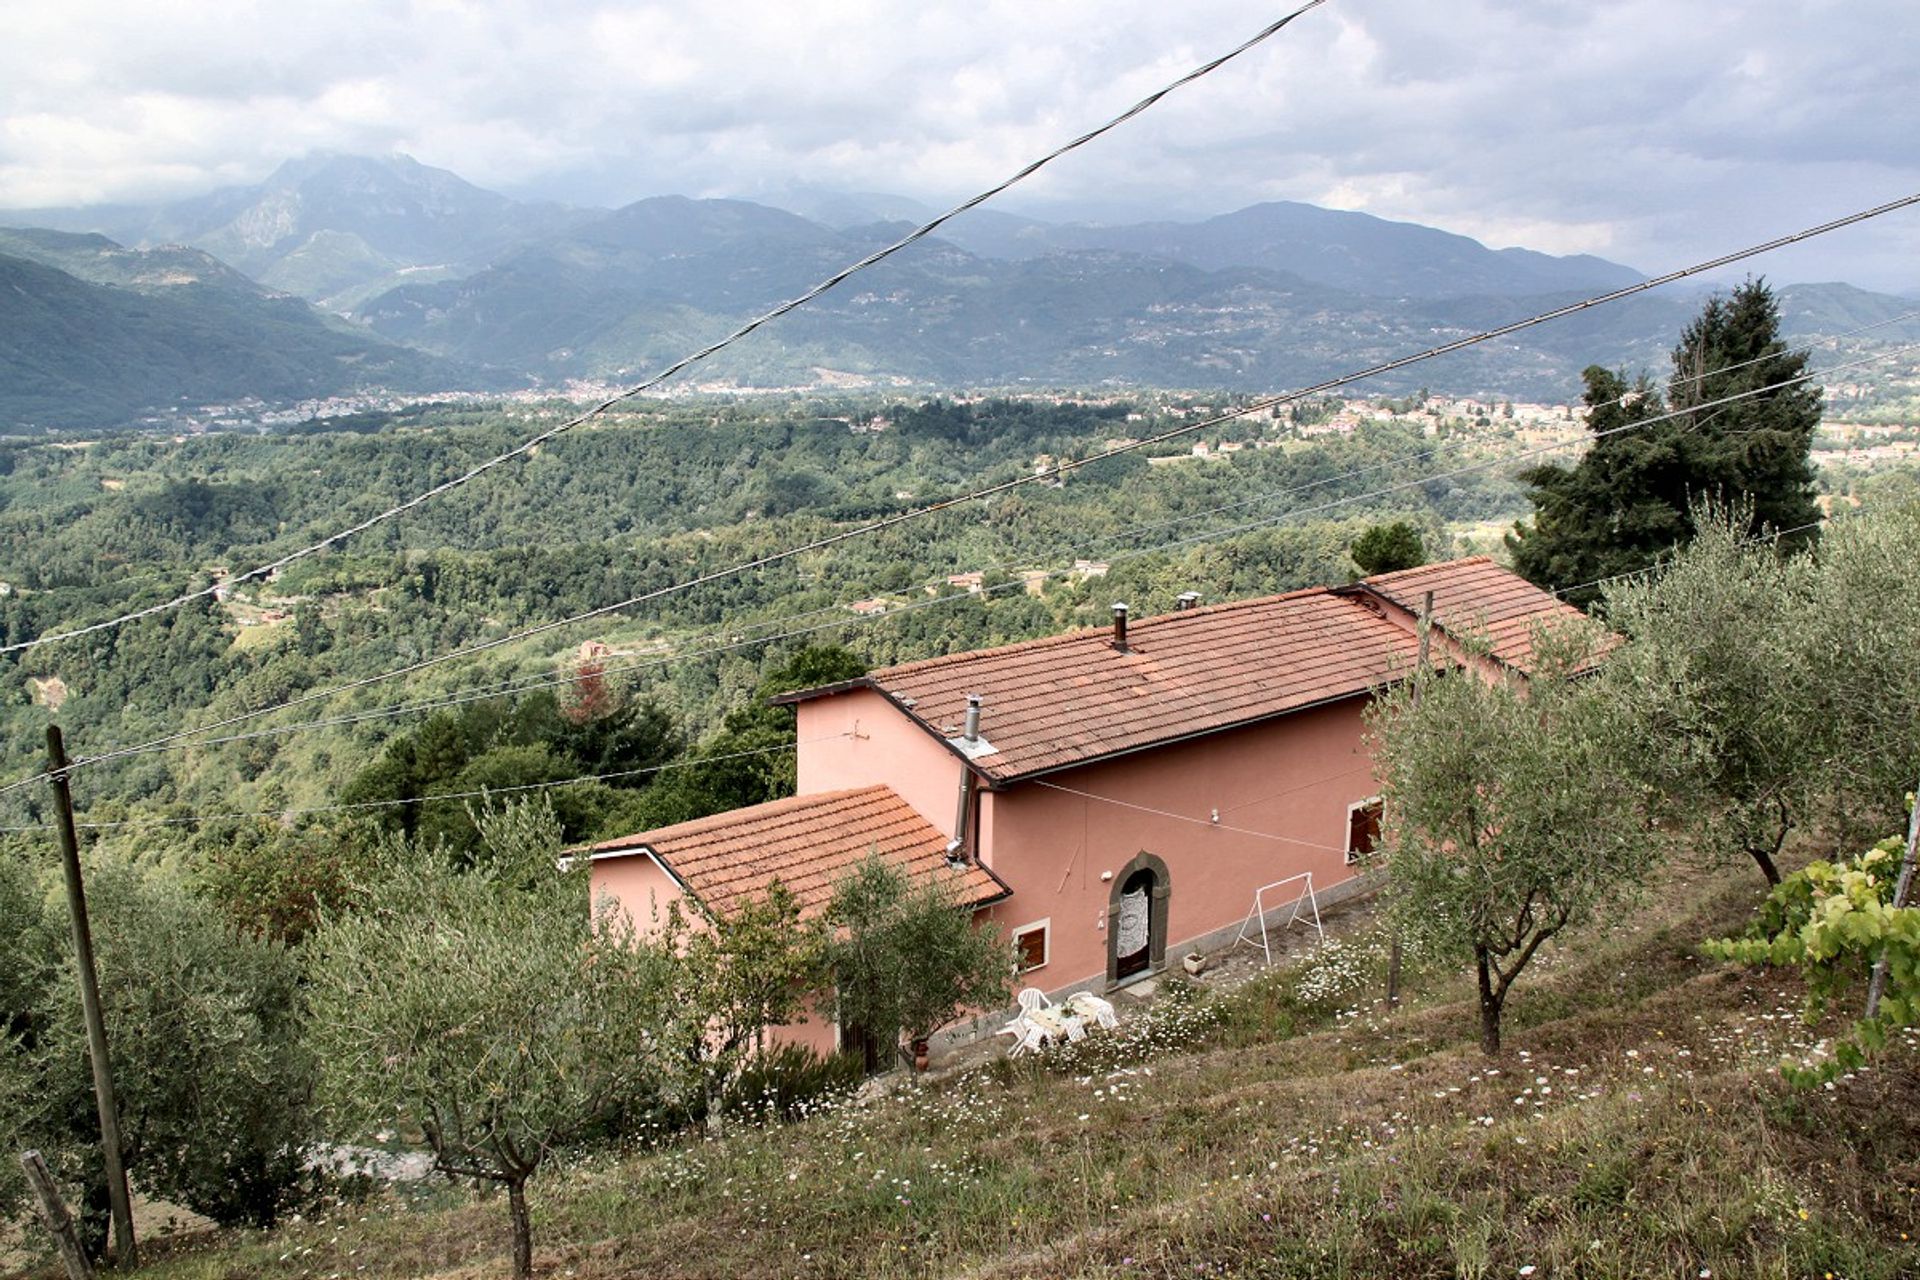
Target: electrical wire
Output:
{"points": [[482, 793], [1501, 460], [1181, 817], [1424, 455], [1806, 376], [528, 446], [178, 741], [899, 518]]}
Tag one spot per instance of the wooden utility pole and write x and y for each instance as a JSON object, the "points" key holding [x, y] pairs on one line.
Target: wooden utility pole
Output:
{"points": [[54, 1211], [1426, 644], [1900, 889], [125, 1253]]}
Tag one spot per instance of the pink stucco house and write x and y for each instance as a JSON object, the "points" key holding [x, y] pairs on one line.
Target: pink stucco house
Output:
{"points": [[1107, 796]]}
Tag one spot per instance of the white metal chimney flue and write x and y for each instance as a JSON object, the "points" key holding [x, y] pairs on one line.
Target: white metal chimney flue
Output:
{"points": [[973, 717], [1120, 626]]}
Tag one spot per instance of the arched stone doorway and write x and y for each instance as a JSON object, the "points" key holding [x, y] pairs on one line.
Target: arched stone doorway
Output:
{"points": [[1137, 918]]}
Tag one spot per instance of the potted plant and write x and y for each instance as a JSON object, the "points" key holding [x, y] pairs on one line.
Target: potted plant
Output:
{"points": [[1194, 963]]}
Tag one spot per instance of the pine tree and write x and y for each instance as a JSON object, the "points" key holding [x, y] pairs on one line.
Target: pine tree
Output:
{"points": [[1754, 450], [1629, 502]]}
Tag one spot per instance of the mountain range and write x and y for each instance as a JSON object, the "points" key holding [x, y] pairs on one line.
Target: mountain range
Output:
{"points": [[347, 271], [94, 335]]}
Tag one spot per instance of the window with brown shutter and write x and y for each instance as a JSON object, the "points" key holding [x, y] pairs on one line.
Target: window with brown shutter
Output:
{"points": [[1030, 945], [1363, 829]]}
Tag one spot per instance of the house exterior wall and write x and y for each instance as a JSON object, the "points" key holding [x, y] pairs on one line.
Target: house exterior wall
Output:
{"points": [[644, 892], [1294, 777], [815, 1031], [641, 888], [881, 745]]}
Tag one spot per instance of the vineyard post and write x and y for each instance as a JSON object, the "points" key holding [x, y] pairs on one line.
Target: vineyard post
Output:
{"points": [[1905, 883]]}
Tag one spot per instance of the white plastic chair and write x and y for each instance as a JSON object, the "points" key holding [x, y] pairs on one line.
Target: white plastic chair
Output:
{"points": [[1028, 1034], [1028, 1037], [1092, 1006]]}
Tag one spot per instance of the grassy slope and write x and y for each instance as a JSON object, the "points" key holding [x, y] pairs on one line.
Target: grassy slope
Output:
{"points": [[1634, 1127]]}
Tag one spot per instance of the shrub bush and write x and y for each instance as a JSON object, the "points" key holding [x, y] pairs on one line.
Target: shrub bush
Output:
{"points": [[788, 1082]]}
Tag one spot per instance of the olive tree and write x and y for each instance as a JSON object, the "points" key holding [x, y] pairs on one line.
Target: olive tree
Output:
{"points": [[204, 1028], [1861, 635], [737, 974], [1725, 691], [26, 970], [904, 956], [1505, 819], [490, 1007]]}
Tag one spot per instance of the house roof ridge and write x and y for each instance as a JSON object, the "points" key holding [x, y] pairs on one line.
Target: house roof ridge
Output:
{"points": [[1095, 631], [1380, 578], [1069, 699], [781, 806]]}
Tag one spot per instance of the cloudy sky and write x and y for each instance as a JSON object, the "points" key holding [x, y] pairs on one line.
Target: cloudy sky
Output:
{"points": [[1654, 132]]}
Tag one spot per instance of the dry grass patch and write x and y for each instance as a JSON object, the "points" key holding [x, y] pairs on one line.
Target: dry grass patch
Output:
{"points": [[1636, 1126]]}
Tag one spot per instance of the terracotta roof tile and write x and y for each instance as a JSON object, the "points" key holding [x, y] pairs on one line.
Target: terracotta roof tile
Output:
{"points": [[1069, 699], [1072, 698], [1476, 597], [805, 842]]}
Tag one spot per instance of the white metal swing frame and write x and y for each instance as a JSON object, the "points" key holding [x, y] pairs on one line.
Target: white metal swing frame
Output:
{"points": [[1253, 930]]}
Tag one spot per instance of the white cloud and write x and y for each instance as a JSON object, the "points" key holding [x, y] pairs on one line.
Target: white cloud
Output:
{"points": [[1649, 130]]}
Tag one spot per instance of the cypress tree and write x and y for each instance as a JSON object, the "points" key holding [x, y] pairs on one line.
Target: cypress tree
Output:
{"points": [[1629, 501]]}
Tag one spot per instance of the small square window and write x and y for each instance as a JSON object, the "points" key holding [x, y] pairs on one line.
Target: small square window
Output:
{"points": [[1363, 828], [1030, 945]]}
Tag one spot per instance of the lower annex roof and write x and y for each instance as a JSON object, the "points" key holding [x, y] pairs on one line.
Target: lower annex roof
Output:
{"points": [[807, 843]]}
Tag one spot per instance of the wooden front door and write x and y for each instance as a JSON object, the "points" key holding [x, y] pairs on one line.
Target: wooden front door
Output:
{"points": [[1133, 925]]}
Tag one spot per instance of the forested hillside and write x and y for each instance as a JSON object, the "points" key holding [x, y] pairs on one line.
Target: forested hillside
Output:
{"points": [[641, 501], [94, 336]]}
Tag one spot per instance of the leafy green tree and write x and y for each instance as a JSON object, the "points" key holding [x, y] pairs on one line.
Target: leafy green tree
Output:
{"points": [[1719, 677], [905, 957], [489, 1006], [27, 967], [737, 975], [28, 954], [1628, 502], [212, 1073], [1862, 630], [276, 883], [1384, 548], [1620, 507], [1506, 821], [499, 744]]}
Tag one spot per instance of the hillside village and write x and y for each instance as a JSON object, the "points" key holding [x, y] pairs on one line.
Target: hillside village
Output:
{"points": [[848, 660]]}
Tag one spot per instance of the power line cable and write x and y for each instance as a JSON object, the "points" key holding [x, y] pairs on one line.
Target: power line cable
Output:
{"points": [[532, 683], [1182, 817], [497, 690], [1772, 536], [528, 446], [693, 762], [189, 735], [361, 805], [1553, 446], [1058, 469]]}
